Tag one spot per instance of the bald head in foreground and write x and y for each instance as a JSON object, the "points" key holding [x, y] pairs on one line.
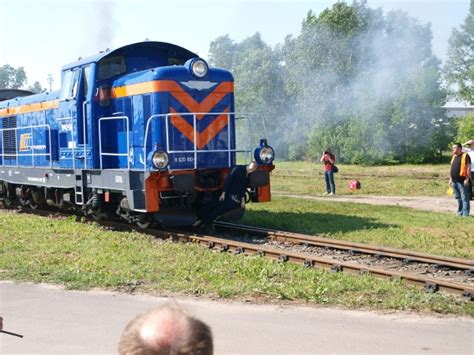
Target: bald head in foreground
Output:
{"points": [[166, 329]]}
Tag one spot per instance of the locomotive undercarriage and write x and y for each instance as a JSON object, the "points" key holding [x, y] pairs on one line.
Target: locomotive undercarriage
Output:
{"points": [[99, 204], [92, 193], [95, 194]]}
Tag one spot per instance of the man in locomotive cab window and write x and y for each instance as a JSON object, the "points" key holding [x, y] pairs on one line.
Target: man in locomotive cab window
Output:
{"points": [[470, 150], [460, 179], [232, 196]]}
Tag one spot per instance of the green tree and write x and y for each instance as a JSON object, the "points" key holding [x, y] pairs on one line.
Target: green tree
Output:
{"points": [[366, 85], [465, 128], [11, 78], [258, 82], [322, 64], [223, 52], [459, 68], [36, 88], [354, 79]]}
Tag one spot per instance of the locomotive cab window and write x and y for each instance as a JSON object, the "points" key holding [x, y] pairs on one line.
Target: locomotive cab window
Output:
{"points": [[69, 84], [111, 66], [86, 79], [175, 61]]}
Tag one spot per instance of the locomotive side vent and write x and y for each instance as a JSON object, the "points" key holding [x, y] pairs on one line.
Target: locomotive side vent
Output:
{"points": [[9, 137]]}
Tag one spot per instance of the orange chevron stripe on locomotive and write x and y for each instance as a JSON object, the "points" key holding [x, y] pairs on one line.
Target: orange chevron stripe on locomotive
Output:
{"points": [[204, 137], [188, 102], [205, 106]]}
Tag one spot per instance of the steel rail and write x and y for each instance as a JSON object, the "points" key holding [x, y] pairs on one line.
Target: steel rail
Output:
{"points": [[430, 284], [406, 255]]}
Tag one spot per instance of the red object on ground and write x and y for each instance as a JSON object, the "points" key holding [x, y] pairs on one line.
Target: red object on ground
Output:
{"points": [[354, 185]]}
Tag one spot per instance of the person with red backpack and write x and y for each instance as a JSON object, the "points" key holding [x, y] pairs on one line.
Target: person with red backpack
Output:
{"points": [[460, 178]]}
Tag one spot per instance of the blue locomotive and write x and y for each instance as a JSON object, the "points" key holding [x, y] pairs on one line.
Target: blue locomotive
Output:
{"points": [[147, 132]]}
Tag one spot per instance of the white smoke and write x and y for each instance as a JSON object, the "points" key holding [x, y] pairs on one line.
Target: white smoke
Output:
{"points": [[101, 26]]}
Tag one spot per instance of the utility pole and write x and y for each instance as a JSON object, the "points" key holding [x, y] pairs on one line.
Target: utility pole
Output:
{"points": [[50, 81]]}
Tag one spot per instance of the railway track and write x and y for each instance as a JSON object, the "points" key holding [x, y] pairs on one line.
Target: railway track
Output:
{"points": [[351, 247], [224, 244], [430, 271], [261, 242]]}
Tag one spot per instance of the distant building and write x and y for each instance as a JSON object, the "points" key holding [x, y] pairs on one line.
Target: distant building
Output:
{"points": [[458, 109]]}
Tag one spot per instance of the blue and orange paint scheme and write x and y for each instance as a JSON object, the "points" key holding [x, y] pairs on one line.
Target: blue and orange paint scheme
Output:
{"points": [[96, 140]]}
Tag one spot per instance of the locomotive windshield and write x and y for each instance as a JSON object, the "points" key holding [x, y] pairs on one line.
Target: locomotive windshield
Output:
{"points": [[69, 84], [111, 66], [141, 56]]}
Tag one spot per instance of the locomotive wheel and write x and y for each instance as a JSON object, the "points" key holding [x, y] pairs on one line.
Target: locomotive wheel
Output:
{"points": [[7, 203], [97, 216], [33, 205], [143, 222]]}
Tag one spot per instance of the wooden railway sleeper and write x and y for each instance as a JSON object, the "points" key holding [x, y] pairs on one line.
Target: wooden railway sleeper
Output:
{"points": [[468, 295], [352, 252], [431, 287]]}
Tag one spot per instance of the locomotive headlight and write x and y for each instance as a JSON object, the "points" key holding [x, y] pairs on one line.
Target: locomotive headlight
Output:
{"points": [[199, 68], [266, 154], [159, 159]]}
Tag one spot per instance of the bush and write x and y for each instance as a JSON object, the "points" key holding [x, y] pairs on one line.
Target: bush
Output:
{"points": [[297, 151]]}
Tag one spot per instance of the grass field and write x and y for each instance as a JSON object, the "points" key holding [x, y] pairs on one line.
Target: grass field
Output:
{"points": [[402, 180], [85, 256], [405, 228]]}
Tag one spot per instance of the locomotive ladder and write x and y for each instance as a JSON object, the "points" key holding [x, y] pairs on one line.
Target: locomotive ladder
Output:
{"points": [[79, 188]]}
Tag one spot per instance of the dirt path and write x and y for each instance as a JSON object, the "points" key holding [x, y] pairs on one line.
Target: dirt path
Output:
{"points": [[437, 204]]}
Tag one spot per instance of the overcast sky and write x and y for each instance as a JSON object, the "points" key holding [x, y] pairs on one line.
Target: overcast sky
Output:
{"points": [[43, 35]]}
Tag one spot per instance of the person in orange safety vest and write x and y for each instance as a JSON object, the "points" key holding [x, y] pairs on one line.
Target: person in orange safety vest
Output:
{"points": [[469, 149], [460, 179]]}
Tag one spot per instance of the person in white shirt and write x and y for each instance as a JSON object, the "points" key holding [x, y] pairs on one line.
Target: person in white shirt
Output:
{"points": [[470, 150]]}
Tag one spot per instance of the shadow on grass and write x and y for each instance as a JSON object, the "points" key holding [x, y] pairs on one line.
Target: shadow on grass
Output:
{"points": [[312, 223]]}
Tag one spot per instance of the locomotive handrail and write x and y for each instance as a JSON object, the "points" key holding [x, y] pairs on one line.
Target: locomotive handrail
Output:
{"points": [[111, 118], [72, 137], [33, 149], [84, 117], [195, 151], [162, 115]]}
